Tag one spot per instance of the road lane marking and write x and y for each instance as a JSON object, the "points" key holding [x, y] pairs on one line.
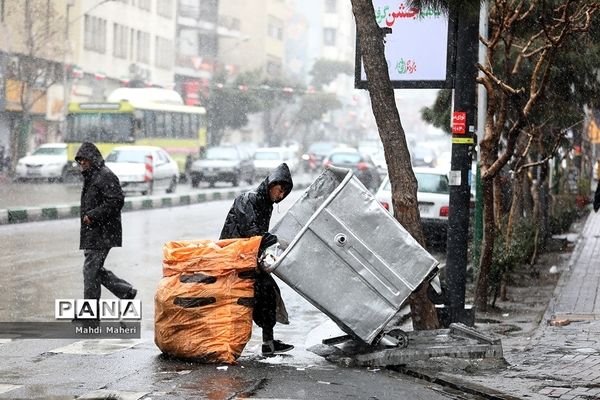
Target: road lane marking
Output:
{"points": [[4, 388], [99, 346], [112, 394]]}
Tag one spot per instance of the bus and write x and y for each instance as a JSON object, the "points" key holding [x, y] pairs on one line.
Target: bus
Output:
{"points": [[137, 116]]}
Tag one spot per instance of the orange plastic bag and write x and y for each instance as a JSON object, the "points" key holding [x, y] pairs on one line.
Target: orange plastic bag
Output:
{"points": [[203, 305]]}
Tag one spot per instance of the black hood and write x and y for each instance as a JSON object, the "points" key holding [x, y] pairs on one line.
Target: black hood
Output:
{"points": [[89, 151], [280, 175]]}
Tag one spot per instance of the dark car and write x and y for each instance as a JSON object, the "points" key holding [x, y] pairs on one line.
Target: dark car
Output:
{"points": [[223, 164], [316, 153], [362, 166]]}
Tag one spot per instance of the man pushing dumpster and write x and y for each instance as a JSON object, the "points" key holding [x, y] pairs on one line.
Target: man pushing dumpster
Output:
{"points": [[249, 216]]}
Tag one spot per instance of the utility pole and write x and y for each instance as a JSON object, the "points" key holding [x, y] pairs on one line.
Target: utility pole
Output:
{"points": [[463, 129], [66, 54]]}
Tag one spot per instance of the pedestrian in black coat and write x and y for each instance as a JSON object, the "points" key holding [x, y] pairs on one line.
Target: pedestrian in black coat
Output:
{"points": [[250, 216], [597, 198], [101, 203]]}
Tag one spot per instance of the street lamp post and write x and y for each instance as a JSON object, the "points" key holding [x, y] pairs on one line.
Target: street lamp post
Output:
{"points": [[67, 50]]}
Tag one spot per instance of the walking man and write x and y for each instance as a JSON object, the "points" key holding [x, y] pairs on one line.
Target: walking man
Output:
{"points": [[101, 203], [249, 216]]}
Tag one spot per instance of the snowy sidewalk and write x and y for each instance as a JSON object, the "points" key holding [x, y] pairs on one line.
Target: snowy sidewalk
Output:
{"points": [[561, 360]]}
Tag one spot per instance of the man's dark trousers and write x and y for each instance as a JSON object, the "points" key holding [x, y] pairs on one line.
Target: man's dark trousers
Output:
{"points": [[94, 275]]}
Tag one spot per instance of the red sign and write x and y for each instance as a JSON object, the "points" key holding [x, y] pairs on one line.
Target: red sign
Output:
{"points": [[459, 122]]}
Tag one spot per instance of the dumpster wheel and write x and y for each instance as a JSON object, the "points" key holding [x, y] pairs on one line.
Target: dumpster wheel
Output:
{"points": [[399, 335]]}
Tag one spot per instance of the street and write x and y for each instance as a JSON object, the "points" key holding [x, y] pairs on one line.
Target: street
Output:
{"points": [[42, 263]]}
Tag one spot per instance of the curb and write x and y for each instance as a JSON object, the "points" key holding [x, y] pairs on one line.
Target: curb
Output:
{"points": [[50, 213]]}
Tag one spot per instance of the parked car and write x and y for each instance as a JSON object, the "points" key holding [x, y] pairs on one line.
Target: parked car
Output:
{"points": [[423, 157], [129, 164], [315, 154], [360, 164], [379, 161], [49, 161], [223, 164], [267, 158], [433, 195]]}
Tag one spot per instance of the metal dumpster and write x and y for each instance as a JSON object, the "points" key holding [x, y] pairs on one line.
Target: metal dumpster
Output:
{"points": [[348, 256]]}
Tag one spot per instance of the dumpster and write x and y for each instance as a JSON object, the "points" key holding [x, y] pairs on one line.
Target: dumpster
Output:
{"points": [[348, 256]]}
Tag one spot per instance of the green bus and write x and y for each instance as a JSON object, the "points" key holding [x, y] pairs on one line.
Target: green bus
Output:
{"points": [[140, 117]]}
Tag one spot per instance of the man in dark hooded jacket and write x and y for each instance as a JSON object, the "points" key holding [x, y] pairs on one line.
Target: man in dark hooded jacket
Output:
{"points": [[250, 216], [101, 203]]}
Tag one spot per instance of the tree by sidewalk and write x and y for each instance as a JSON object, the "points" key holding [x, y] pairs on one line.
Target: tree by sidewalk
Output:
{"points": [[532, 100], [402, 178], [36, 41]]}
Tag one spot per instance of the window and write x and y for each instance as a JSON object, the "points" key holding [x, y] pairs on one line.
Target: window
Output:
{"points": [[164, 8], [120, 40], [100, 127], [145, 4], [163, 55], [330, 6], [177, 130], [143, 47], [160, 124], [94, 34], [275, 28], [207, 45], [209, 9], [186, 122], [329, 36]]}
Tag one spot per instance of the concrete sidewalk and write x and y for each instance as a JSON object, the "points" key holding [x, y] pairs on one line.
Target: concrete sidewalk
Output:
{"points": [[562, 359]]}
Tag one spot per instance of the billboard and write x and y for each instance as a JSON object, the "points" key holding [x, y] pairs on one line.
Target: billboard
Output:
{"points": [[419, 50]]}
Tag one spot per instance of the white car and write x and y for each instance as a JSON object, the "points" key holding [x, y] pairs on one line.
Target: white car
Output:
{"points": [[433, 195], [266, 159], [143, 169], [49, 161]]}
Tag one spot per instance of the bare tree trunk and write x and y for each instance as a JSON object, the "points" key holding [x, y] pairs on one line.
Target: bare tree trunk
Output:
{"points": [[498, 200], [487, 246], [516, 206], [537, 218], [404, 183], [527, 199]]}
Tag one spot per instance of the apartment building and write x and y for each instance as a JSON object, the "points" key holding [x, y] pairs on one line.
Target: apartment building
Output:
{"points": [[318, 29], [199, 31], [84, 49], [31, 62], [121, 41], [261, 44]]}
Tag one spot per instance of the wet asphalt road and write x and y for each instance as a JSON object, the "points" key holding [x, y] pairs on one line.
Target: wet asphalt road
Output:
{"points": [[41, 263]]}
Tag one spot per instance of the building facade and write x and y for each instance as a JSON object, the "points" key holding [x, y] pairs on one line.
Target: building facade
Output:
{"points": [[81, 50], [261, 44]]}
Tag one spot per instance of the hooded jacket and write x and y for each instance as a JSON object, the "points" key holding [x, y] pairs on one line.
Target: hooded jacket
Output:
{"points": [[101, 200], [251, 211]]}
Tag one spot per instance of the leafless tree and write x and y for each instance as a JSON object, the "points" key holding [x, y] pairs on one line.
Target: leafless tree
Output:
{"points": [[36, 48]]}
